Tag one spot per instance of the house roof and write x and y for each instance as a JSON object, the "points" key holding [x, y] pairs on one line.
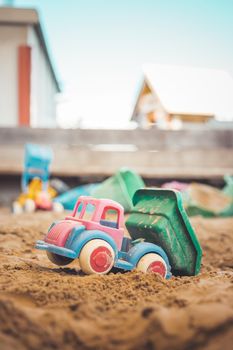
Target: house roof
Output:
{"points": [[20, 16], [196, 91]]}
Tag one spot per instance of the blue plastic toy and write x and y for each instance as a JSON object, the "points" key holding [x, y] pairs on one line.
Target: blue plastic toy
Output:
{"points": [[36, 164], [69, 198]]}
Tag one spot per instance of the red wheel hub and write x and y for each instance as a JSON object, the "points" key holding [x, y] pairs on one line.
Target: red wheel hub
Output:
{"points": [[101, 259], [157, 267]]}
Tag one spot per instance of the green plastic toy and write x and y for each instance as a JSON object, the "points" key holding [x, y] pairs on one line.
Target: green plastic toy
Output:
{"points": [[228, 188], [159, 217], [208, 201], [120, 188]]}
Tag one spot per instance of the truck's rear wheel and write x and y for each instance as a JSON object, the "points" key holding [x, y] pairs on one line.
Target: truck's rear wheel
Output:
{"points": [[97, 256], [59, 259], [152, 263]]}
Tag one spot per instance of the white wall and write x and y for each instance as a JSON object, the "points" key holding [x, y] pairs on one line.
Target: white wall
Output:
{"points": [[43, 89], [10, 38]]}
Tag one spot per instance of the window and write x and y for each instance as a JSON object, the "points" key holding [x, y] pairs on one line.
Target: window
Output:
{"points": [[87, 214], [79, 209], [110, 217]]}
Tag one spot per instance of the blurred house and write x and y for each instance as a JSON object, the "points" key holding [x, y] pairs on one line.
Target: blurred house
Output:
{"points": [[28, 84], [175, 96]]}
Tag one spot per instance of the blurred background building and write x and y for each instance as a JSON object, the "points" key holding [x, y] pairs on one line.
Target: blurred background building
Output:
{"points": [[28, 83], [176, 96], [109, 97]]}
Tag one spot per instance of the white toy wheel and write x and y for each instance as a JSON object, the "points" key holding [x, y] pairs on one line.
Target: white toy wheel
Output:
{"points": [[59, 259], [97, 256], [58, 207], [152, 263], [17, 208], [29, 206]]}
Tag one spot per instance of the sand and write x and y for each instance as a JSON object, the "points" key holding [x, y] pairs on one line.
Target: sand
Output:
{"points": [[46, 307]]}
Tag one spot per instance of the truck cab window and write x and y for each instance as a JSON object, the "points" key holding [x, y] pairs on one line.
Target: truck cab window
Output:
{"points": [[88, 212], [110, 218]]}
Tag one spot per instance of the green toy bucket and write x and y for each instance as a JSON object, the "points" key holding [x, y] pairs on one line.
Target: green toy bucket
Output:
{"points": [[120, 188]]}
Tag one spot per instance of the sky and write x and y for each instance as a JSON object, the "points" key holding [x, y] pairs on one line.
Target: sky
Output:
{"points": [[98, 48]]}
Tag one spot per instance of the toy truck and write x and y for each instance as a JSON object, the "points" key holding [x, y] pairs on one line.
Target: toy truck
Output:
{"points": [[94, 234]]}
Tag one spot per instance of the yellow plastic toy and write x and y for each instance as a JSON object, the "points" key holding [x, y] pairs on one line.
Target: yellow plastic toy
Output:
{"points": [[36, 198]]}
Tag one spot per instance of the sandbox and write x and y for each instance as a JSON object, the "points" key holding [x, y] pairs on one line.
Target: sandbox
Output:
{"points": [[46, 307]]}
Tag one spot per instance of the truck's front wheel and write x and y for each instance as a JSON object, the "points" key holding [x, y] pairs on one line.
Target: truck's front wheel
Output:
{"points": [[152, 263], [96, 257], [59, 259]]}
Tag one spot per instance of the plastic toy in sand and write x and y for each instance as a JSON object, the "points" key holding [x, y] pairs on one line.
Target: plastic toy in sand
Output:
{"points": [[36, 198], [175, 185], [69, 198], [228, 188], [36, 193], [162, 239], [120, 187], [208, 201]]}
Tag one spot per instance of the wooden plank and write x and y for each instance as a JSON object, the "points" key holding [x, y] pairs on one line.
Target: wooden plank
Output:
{"points": [[198, 153], [152, 139], [75, 161]]}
